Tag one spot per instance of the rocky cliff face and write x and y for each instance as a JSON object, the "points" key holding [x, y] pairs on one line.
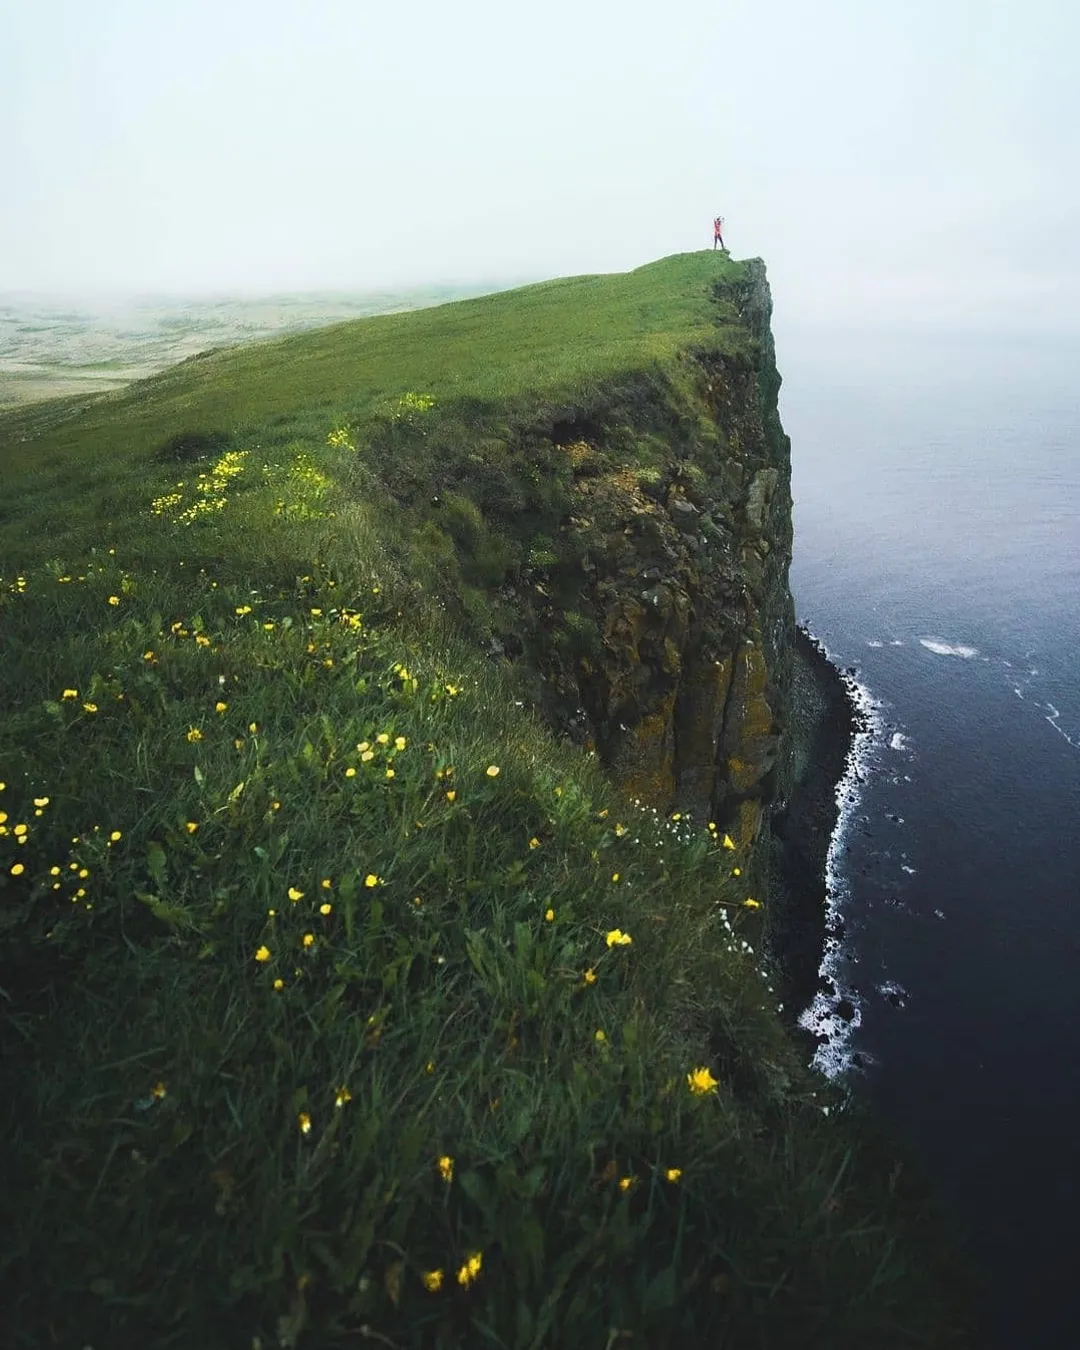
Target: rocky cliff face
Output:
{"points": [[666, 641]]}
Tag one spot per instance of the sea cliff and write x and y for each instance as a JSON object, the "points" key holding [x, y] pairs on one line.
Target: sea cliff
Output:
{"points": [[652, 619], [344, 999]]}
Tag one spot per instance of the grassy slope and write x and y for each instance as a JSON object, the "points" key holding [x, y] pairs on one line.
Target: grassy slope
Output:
{"points": [[180, 1015]]}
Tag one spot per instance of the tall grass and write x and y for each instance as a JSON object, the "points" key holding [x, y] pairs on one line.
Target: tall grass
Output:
{"points": [[339, 1002]]}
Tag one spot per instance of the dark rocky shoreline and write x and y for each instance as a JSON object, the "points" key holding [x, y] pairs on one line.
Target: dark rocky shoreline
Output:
{"points": [[824, 724]]}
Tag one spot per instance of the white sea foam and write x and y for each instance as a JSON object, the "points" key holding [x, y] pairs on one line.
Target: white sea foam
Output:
{"points": [[898, 741], [834, 1055], [942, 648], [1053, 716], [873, 642], [1051, 713]]}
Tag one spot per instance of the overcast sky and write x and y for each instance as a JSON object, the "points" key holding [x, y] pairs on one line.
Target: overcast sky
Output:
{"points": [[906, 160]]}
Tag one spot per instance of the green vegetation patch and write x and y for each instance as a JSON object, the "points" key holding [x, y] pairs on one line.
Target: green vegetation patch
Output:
{"points": [[340, 1002]]}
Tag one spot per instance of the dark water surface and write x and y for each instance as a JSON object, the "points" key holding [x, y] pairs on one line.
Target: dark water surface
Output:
{"points": [[937, 550]]}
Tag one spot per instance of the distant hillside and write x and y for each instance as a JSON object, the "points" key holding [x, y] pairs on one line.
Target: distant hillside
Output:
{"points": [[51, 349]]}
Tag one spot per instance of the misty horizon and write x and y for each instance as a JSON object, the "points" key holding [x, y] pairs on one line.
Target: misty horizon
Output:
{"points": [[905, 163]]}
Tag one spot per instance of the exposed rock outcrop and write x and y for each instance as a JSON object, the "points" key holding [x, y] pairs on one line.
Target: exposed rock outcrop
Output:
{"points": [[680, 675]]}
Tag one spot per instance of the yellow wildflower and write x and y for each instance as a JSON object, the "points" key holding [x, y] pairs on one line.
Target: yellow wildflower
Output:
{"points": [[192, 826], [304, 1121], [383, 738], [372, 880], [469, 1270], [751, 904], [201, 640], [343, 1096], [90, 707], [590, 976], [451, 795], [673, 1173], [534, 842], [600, 1037], [367, 756], [433, 1280], [70, 693], [309, 939], [446, 1168], [350, 772], [617, 938], [116, 834], [736, 871], [220, 707], [295, 895], [390, 773], [17, 870], [194, 734], [158, 1091], [263, 954], [615, 876], [626, 1182], [279, 983], [326, 883], [114, 599], [325, 908], [493, 771], [727, 842], [399, 742], [701, 1080], [243, 609], [18, 830], [253, 727], [41, 801], [549, 915]]}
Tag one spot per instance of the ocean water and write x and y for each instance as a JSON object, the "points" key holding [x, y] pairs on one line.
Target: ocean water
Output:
{"points": [[937, 557]]}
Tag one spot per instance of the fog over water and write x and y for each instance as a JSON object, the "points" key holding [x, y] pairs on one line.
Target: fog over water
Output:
{"points": [[937, 551]]}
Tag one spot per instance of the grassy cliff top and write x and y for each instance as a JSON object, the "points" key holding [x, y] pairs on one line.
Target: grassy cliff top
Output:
{"points": [[336, 995], [555, 337], [70, 465]]}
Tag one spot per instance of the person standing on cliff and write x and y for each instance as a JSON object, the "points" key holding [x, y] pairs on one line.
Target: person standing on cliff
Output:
{"points": [[717, 232]]}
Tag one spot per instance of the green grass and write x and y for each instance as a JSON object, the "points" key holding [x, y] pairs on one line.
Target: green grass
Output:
{"points": [[219, 1132]]}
